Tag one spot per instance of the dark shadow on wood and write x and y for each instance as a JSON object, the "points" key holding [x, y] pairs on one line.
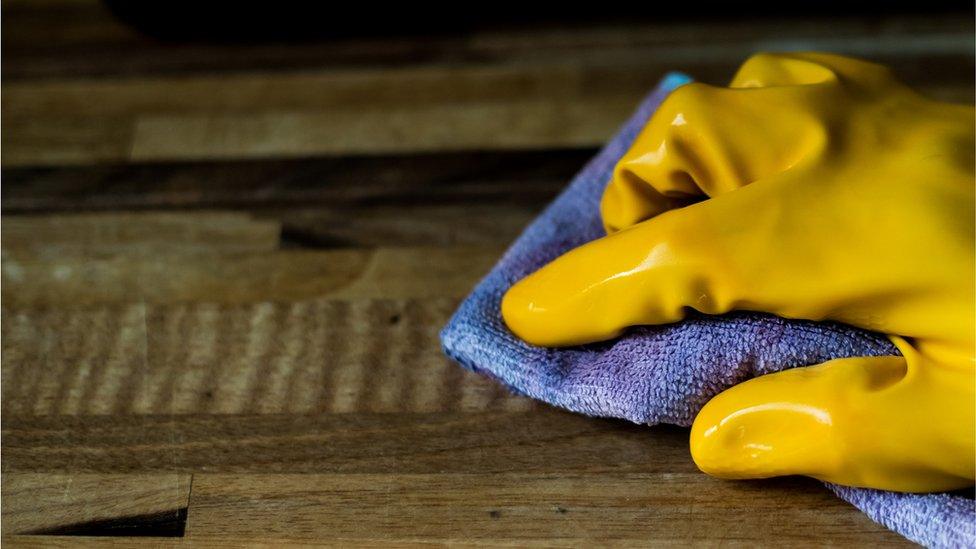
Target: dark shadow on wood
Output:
{"points": [[168, 524]]}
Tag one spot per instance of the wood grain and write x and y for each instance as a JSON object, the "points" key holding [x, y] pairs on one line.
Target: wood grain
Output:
{"points": [[82, 40], [288, 275], [303, 357], [97, 542], [542, 441], [647, 509], [65, 139], [400, 129], [562, 88], [225, 266], [50, 503], [352, 183], [562, 68], [440, 199], [94, 235], [488, 477]]}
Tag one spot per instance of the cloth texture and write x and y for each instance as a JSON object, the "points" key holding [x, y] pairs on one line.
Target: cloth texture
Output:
{"points": [[665, 374]]}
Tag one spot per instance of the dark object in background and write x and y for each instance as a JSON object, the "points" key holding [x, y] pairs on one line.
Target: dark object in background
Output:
{"points": [[296, 20]]}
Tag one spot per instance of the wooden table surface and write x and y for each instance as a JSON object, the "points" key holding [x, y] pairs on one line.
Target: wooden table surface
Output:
{"points": [[225, 268]]}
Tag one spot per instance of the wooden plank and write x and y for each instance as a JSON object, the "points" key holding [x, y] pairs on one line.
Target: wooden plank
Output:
{"points": [[380, 92], [349, 183], [651, 509], [86, 541], [493, 224], [289, 275], [501, 477], [300, 357], [64, 140], [400, 129], [109, 504], [552, 72], [88, 41], [280, 91], [224, 541], [518, 124], [543, 441], [139, 234], [41, 141], [481, 225], [559, 89], [401, 200]]}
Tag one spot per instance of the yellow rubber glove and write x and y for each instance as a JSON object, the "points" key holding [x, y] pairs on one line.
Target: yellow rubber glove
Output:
{"points": [[814, 187]]}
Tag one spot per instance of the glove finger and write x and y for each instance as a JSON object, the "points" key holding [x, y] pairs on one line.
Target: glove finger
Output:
{"points": [[763, 70], [705, 141], [877, 422], [647, 274], [771, 246], [805, 68]]}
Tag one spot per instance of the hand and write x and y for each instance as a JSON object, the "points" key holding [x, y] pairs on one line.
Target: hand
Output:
{"points": [[814, 187]]}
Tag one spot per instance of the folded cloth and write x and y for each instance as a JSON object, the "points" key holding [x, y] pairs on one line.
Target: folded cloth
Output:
{"points": [[665, 374]]}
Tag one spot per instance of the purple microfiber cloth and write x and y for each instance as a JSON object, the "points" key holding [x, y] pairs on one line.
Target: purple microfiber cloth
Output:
{"points": [[665, 374]]}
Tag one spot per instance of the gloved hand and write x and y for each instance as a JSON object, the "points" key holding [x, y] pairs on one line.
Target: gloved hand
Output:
{"points": [[814, 187]]}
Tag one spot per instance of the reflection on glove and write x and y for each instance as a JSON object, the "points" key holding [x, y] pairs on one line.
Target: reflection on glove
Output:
{"points": [[814, 187]]}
